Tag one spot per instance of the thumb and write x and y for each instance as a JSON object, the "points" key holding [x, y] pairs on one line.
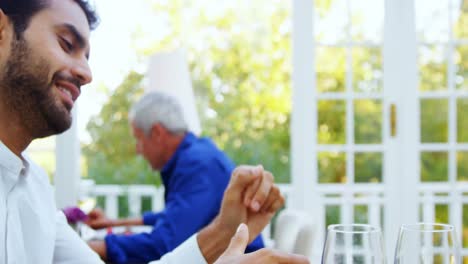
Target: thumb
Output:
{"points": [[238, 242]]}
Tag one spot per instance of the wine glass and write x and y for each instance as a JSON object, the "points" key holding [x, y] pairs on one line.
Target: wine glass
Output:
{"points": [[353, 244], [427, 243]]}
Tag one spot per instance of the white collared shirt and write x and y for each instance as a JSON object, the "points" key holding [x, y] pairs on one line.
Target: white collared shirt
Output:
{"points": [[187, 252], [31, 228]]}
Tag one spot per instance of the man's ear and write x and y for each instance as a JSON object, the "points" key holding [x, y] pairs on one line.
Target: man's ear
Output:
{"points": [[156, 131]]}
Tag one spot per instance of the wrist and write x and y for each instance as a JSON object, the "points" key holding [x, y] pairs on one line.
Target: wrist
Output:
{"points": [[126, 222], [213, 240], [113, 222]]}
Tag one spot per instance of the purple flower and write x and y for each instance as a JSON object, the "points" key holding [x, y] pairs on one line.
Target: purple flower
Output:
{"points": [[74, 214]]}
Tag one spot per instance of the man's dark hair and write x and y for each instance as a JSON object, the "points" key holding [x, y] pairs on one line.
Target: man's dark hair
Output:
{"points": [[21, 11]]}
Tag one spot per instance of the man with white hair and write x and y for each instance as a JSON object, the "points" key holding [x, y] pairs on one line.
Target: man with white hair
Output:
{"points": [[194, 172]]}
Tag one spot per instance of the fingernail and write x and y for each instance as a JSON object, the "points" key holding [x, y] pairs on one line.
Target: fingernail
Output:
{"points": [[259, 169], [255, 206], [240, 227]]}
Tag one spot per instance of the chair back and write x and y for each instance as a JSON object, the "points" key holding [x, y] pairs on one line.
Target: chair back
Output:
{"points": [[294, 232]]}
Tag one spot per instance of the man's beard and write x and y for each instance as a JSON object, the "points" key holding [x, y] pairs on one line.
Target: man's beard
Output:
{"points": [[29, 95]]}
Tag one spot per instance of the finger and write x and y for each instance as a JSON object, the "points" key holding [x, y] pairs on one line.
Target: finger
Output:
{"points": [[273, 196], [262, 192], [273, 256], [238, 242], [251, 190], [242, 177], [286, 258], [276, 205]]}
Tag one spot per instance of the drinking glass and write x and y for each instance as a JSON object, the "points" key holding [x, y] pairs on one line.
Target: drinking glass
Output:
{"points": [[353, 244], [427, 243]]}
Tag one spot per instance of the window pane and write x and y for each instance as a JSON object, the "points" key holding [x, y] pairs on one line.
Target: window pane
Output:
{"points": [[382, 217], [462, 166], [432, 68], [367, 69], [434, 120], [332, 167], [331, 69], [367, 121], [465, 225], [420, 215], [461, 67], [332, 215], [331, 20], [432, 19], [361, 214], [460, 18], [434, 166], [441, 213], [332, 122], [462, 124], [367, 20], [368, 167]]}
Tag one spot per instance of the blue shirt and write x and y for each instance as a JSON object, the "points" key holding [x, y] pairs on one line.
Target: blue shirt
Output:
{"points": [[194, 180]]}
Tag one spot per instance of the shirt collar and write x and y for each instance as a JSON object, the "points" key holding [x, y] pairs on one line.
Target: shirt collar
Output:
{"points": [[10, 161], [170, 165]]}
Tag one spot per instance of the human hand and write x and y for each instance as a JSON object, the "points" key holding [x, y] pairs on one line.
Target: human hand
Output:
{"points": [[97, 219], [251, 198], [234, 254]]}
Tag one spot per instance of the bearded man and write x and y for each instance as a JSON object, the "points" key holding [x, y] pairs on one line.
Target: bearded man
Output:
{"points": [[44, 50]]}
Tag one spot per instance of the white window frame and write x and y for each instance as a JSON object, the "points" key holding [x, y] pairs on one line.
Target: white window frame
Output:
{"points": [[400, 80]]}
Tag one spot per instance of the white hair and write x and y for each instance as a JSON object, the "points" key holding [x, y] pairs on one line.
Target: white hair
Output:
{"points": [[158, 108]]}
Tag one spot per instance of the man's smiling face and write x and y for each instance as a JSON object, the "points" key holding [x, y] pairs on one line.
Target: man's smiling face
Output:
{"points": [[45, 67]]}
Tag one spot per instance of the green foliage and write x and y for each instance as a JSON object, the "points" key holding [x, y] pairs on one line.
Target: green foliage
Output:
{"points": [[251, 101], [241, 78], [368, 167], [111, 157], [332, 167], [368, 121], [332, 122], [241, 71]]}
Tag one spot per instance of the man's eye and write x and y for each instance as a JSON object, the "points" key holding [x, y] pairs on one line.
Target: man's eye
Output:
{"points": [[66, 45]]}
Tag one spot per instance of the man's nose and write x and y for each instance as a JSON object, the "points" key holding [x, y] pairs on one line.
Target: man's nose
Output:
{"points": [[82, 72]]}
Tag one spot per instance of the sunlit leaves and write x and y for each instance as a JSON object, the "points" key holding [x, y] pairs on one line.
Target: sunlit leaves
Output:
{"points": [[432, 68], [368, 122], [111, 156], [331, 69], [367, 69], [332, 167], [461, 22], [434, 166], [434, 120], [461, 67], [332, 122], [240, 61]]}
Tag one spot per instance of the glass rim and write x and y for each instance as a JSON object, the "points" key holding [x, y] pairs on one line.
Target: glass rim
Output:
{"points": [[432, 227], [366, 228]]}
